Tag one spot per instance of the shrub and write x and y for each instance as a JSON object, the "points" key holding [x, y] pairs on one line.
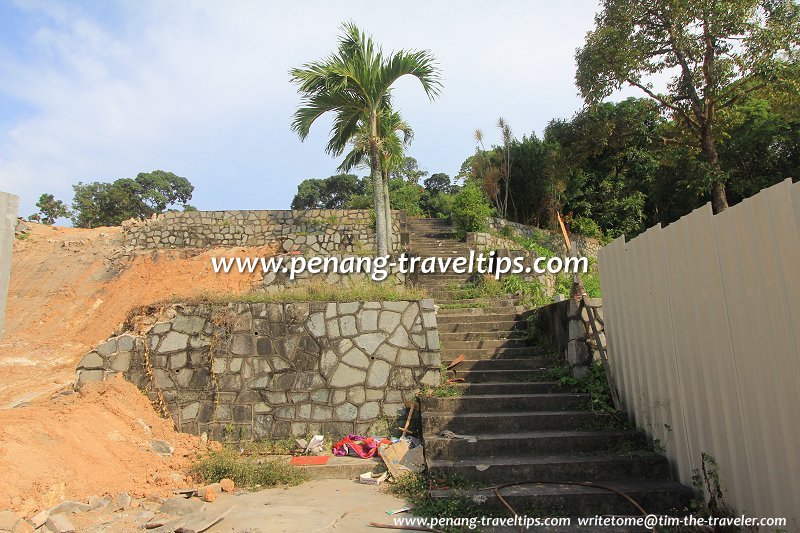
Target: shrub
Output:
{"points": [[587, 227], [213, 466], [470, 210]]}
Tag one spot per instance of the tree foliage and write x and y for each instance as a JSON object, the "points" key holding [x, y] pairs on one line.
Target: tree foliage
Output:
{"points": [[50, 210], [108, 204], [355, 85], [334, 192], [717, 53]]}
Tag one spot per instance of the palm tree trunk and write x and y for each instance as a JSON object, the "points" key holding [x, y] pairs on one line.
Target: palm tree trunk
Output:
{"points": [[381, 247], [388, 207]]}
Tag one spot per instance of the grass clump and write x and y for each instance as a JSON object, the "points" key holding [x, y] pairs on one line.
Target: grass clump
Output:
{"points": [[213, 466], [415, 489]]}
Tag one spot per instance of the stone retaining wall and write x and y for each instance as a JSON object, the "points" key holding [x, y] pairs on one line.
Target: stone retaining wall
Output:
{"points": [[263, 370], [313, 231], [587, 246], [567, 322]]}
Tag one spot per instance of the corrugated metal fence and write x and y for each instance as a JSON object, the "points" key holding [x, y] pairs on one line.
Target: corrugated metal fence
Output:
{"points": [[703, 327]]}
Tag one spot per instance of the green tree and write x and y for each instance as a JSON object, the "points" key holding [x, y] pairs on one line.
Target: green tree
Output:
{"points": [[470, 209], [334, 192], [438, 183], [355, 83], [719, 52], [609, 156], [408, 170], [50, 210], [394, 135], [109, 204]]}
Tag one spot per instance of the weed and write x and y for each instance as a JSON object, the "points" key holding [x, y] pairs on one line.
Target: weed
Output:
{"points": [[442, 391], [470, 305], [414, 488], [706, 481], [213, 466], [365, 291], [22, 236]]}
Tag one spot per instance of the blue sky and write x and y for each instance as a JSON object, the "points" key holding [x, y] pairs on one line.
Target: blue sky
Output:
{"points": [[95, 91]]}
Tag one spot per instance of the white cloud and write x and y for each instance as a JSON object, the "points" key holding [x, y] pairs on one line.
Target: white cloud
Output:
{"points": [[202, 89]]}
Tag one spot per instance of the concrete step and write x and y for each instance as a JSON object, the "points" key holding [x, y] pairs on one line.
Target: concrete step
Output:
{"points": [[482, 376], [433, 423], [559, 467], [509, 387], [485, 313], [486, 343], [482, 335], [463, 319], [535, 442], [510, 363], [492, 403], [449, 353], [479, 302], [655, 496]]}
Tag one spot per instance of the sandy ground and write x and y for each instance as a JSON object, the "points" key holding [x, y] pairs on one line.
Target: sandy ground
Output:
{"points": [[70, 289], [330, 505], [93, 442]]}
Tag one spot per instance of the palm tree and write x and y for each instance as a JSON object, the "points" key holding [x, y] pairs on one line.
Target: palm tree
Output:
{"points": [[395, 135], [355, 84]]}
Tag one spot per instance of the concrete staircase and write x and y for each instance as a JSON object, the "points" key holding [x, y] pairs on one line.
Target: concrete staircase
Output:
{"points": [[523, 427]]}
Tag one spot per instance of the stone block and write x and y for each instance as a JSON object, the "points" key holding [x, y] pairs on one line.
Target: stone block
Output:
{"points": [[242, 344], [125, 343], [91, 360], [577, 353], [402, 378], [577, 330], [378, 374], [346, 376], [347, 326], [389, 320], [108, 347], [316, 324], [347, 412], [406, 357], [356, 358], [176, 360], [173, 342], [86, 376], [432, 339], [369, 320], [356, 395], [188, 324]]}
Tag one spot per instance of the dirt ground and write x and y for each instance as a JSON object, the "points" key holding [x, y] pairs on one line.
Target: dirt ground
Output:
{"points": [[93, 442], [71, 289]]}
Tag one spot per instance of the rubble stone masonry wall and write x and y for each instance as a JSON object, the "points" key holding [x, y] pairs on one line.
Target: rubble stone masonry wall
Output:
{"points": [[247, 371], [312, 231]]}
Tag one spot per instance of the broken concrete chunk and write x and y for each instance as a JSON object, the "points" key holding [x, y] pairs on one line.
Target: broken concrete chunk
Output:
{"points": [[59, 523], [121, 502], [97, 503], [39, 519], [70, 507], [8, 520], [180, 506], [162, 448]]}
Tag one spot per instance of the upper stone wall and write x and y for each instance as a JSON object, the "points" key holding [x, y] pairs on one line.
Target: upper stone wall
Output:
{"points": [[587, 246], [314, 231]]}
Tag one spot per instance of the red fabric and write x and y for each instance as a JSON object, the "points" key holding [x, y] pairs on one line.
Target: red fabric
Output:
{"points": [[364, 447], [309, 460]]}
